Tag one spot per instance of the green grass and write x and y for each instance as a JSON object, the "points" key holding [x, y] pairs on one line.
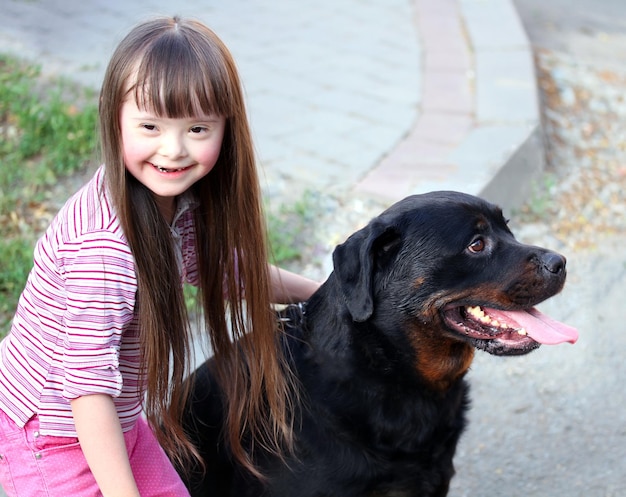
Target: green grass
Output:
{"points": [[289, 229], [43, 138], [16, 261]]}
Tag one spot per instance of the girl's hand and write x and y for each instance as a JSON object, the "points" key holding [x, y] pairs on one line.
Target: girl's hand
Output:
{"points": [[101, 439]]}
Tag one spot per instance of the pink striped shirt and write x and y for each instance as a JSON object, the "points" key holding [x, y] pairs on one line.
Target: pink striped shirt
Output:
{"points": [[75, 331]]}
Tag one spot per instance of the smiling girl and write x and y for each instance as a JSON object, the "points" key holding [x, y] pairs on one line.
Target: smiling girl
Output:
{"points": [[101, 332]]}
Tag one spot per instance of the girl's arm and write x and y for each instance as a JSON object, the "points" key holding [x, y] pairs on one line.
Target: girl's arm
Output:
{"points": [[101, 439], [289, 287]]}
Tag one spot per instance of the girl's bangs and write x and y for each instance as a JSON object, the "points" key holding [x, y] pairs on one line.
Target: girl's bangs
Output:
{"points": [[174, 80]]}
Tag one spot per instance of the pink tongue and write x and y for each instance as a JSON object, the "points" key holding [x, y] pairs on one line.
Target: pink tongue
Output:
{"points": [[541, 328]]}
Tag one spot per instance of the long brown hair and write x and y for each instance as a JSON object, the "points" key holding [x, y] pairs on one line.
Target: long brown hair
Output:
{"points": [[179, 68]]}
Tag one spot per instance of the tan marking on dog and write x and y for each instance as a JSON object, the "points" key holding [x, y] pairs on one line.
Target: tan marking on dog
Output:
{"points": [[440, 360]]}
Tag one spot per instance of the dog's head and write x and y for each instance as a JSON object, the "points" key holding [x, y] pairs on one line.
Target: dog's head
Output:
{"points": [[445, 264]]}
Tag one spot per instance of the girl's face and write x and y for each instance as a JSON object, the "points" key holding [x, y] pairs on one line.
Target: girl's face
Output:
{"points": [[168, 155]]}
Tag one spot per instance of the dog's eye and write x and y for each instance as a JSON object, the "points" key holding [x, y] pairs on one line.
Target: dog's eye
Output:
{"points": [[477, 245]]}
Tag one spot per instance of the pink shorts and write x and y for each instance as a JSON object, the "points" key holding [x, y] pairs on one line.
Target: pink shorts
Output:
{"points": [[33, 465]]}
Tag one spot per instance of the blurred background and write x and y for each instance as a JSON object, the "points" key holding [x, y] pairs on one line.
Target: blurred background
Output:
{"points": [[356, 104]]}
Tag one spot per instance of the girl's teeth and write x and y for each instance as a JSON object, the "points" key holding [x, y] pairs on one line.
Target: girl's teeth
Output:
{"points": [[164, 170]]}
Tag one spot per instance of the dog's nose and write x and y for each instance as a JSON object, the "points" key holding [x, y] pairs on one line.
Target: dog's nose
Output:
{"points": [[553, 262]]}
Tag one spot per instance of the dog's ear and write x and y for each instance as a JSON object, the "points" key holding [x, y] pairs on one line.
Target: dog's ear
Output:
{"points": [[354, 262]]}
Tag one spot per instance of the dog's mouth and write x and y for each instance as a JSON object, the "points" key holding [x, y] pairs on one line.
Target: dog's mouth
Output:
{"points": [[507, 332]]}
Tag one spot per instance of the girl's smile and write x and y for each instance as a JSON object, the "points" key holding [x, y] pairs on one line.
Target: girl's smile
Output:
{"points": [[169, 171]]}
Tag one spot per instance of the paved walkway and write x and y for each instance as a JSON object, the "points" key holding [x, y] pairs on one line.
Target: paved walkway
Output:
{"points": [[380, 98]]}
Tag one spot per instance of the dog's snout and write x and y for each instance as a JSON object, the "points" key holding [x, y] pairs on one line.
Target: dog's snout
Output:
{"points": [[553, 262]]}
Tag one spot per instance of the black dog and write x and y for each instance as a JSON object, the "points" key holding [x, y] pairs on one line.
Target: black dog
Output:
{"points": [[382, 348]]}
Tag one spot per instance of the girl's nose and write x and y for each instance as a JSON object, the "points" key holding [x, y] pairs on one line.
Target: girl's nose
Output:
{"points": [[172, 146]]}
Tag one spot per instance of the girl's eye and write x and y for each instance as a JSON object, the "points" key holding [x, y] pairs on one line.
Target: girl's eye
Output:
{"points": [[197, 129], [477, 246], [149, 127]]}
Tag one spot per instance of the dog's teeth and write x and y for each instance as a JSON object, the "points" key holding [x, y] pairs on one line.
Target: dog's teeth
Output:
{"points": [[480, 315], [476, 311], [522, 331]]}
